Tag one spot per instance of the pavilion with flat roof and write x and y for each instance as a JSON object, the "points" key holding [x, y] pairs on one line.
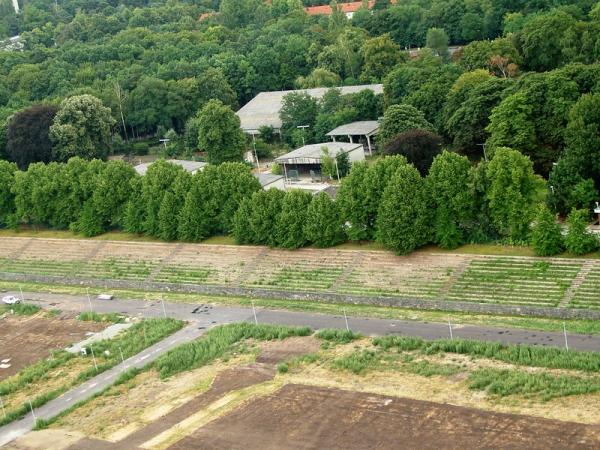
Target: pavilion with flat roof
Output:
{"points": [[366, 128], [309, 158]]}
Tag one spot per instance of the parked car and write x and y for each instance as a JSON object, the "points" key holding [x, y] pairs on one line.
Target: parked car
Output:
{"points": [[105, 297], [10, 300]]}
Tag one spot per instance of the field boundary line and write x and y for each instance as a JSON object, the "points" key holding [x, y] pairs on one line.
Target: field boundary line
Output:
{"points": [[94, 252], [456, 274], [244, 275], [165, 261], [356, 261], [585, 270], [17, 253], [324, 297]]}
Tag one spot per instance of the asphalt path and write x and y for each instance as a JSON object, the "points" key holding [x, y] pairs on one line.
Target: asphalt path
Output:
{"points": [[204, 316], [211, 315]]}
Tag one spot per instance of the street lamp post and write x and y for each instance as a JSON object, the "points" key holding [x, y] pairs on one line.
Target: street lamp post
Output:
{"points": [[484, 152], [303, 128], [255, 154]]}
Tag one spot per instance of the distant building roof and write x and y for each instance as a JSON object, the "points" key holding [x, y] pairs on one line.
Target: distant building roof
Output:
{"points": [[266, 179], [189, 166], [346, 8], [313, 153], [363, 128], [349, 7], [206, 15], [264, 109]]}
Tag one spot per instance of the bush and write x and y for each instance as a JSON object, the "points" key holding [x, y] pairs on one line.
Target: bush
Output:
{"points": [[276, 169], [579, 240], [338, 336], [546, 237], [324, 227], [140, 148]]}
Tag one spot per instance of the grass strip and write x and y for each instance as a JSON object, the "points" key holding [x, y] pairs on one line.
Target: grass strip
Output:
{"points": [[522, 355], [215, 344], [504, 383], [91, 316]]}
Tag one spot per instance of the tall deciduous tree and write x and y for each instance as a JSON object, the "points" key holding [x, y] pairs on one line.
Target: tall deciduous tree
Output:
{"points": [[437, 40], [546, 236], [400, 118], [323, 225], [402, 222], [289, 228], [7, 200], [419, 147], [453, 203], [28, 140], [511, 193], [579, 240], [81, 128], [219, 133]]}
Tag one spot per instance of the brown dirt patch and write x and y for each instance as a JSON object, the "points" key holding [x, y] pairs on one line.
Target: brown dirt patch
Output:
{"points": [[303, 417], [273, 352], [28, 339]]}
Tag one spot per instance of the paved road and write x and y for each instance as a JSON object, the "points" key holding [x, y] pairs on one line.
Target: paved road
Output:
{"points": [[213, 315], [202, 317]]}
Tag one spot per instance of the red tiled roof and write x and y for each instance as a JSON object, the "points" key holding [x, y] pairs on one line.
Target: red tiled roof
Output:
{"points": [[206, 15], [344, 7]]}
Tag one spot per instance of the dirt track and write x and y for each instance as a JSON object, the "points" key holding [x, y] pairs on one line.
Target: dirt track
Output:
{"points": [[302, 417], [27, 339]]}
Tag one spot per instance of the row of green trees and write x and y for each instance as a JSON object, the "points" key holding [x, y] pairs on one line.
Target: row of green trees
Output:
{"points": [[388, 201]]}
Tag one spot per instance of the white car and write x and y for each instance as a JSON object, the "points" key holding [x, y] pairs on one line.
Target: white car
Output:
{"points": [[10, 300], [105, 297]]}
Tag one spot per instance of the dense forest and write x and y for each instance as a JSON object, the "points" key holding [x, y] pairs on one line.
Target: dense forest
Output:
{"points": [[525, 76]]}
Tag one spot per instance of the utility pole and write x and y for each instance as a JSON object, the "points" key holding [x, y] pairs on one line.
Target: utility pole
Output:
{"points": [[121, 98]]}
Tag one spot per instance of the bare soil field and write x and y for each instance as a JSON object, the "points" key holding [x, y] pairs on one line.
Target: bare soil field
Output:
{"points": [[242, 402], [303, 417], [26, 339]]}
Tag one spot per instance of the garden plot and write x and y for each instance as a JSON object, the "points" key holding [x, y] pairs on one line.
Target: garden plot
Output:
{"points": [[112, 268], [308, 269], [151, 253], [588, 294], [12, 246], [208, 264], [517, 281], [62, 249], [418, 276]]}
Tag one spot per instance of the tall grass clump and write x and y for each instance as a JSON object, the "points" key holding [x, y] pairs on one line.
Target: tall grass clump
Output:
{"points": [[20, 309], [357, 362], [90, 316], [503, 383], [216, 342], [337, 336], [523, 355]]}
